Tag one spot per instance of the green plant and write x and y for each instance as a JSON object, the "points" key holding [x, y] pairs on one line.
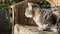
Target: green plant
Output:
{"points": [[44, 4]]}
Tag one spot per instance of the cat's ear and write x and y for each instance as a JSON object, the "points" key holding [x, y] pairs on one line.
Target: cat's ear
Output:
{"points": [[30, 4]]}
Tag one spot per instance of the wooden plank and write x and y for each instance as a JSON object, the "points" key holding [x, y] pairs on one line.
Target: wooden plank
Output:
{"points": [[19, 14], [58, 2], [19, 29], [54, 2]]}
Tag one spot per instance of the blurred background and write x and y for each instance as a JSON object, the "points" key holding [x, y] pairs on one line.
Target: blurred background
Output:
{"points": [[6, 16]]}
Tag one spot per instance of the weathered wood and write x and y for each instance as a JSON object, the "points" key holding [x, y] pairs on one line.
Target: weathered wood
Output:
{"points": [[19, 14], [19, 29], [12, 7], [54, 2]]}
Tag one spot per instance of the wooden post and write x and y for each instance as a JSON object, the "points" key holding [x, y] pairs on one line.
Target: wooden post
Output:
{"points": [[12, 19]]}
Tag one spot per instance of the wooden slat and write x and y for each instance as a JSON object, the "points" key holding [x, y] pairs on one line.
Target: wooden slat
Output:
{"points": [[19, 14], [54, 2], [19, 29]]}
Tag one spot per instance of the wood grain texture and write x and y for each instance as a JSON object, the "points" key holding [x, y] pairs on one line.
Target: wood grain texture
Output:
{"points": [[19, 14], [18, 29]]}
